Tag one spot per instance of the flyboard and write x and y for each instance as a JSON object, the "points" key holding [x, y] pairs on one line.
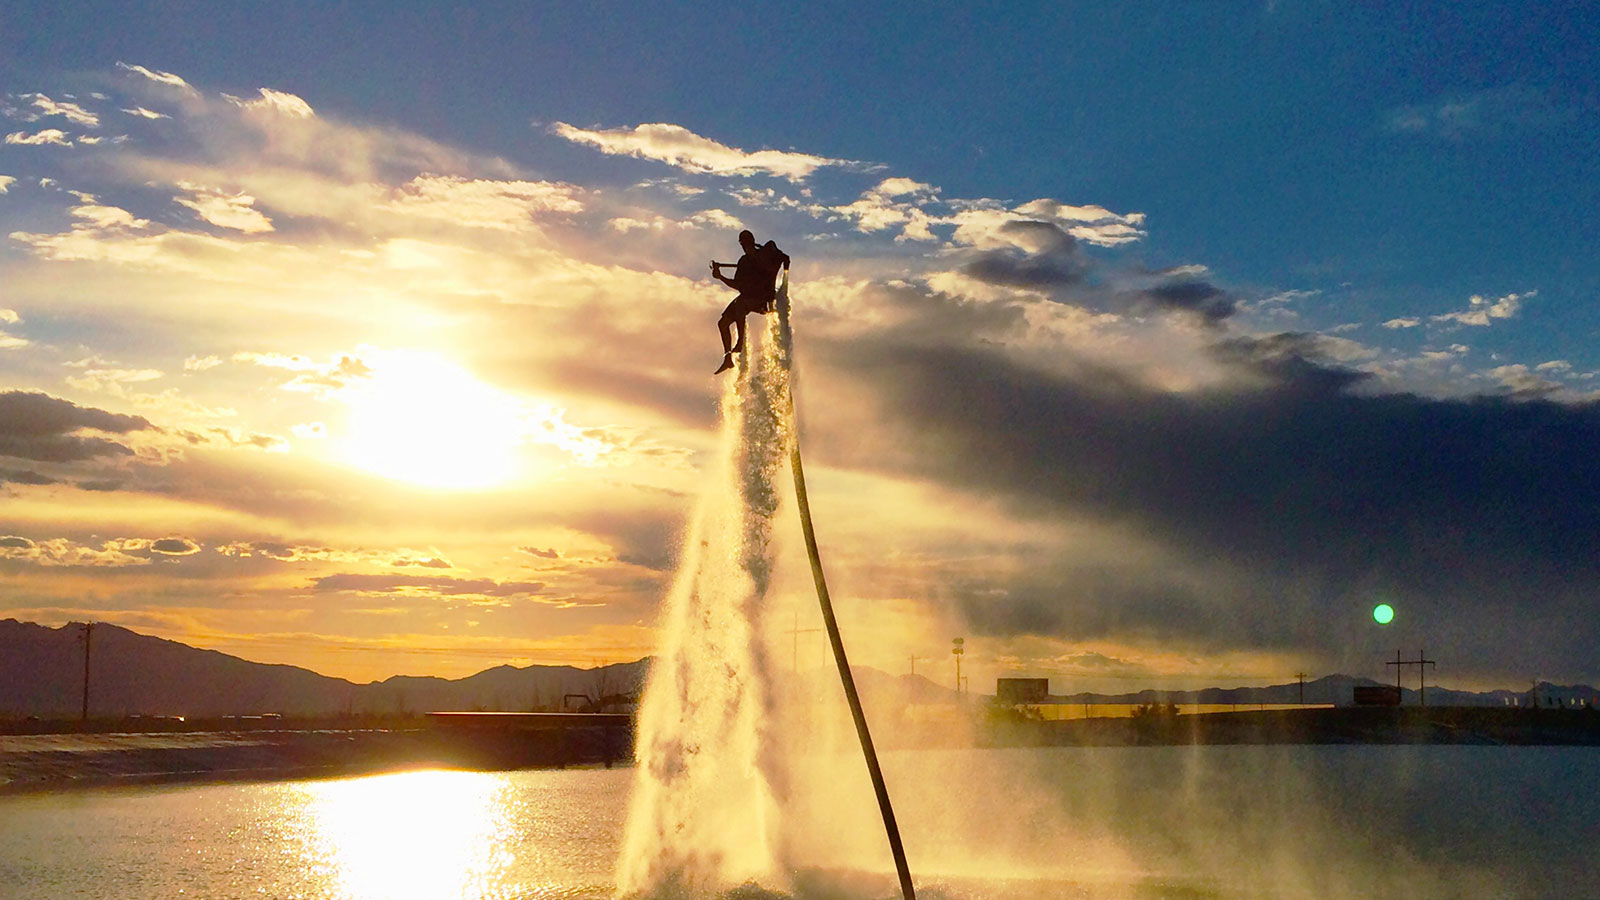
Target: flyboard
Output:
{"points": [[786, 336]]}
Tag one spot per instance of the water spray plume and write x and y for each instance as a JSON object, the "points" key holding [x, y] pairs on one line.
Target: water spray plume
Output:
{"points": [[706, 809]]}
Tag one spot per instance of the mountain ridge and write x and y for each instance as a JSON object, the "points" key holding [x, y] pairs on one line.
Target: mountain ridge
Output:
{"points": [[41, 674]]}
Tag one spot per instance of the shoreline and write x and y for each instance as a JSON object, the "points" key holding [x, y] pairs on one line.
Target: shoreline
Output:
{"points": [[1352, 725], [44, 763], [40, 763]]}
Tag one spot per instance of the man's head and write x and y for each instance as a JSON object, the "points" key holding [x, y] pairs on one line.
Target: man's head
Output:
{"points": [[747, 241]]}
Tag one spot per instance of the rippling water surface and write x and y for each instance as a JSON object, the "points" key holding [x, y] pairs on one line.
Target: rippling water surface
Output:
{"points": [[1163, 822], [404, 836]]}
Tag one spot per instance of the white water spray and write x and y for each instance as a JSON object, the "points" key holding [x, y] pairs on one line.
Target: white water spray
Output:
{"points": [[706, 802]]}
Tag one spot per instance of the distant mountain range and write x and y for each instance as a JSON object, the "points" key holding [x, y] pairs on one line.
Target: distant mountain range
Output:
{"points": [[41, 674]]}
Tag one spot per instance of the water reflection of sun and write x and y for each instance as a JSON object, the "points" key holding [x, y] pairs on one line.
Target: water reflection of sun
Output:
{"points": [[409, 836]]}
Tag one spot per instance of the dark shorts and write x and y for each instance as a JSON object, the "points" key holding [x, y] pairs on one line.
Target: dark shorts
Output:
{"points": [[745, 304]]}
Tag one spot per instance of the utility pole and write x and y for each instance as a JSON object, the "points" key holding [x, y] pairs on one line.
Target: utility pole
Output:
{"points": [[914, 659], [794, 633], [957, 649], [1302, 677], [88, 633], [1422, 663]]}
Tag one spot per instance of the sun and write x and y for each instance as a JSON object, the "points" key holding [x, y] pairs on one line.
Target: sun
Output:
{"points": [[423, 419]]}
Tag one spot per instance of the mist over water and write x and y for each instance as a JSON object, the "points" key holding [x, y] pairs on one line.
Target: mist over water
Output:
{"points": [[707, 803]]}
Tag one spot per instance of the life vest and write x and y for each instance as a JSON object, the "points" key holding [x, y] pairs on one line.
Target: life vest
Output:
{"points": [[758, 270]]}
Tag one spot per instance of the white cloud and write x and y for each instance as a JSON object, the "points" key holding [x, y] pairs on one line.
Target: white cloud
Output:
{"points": [[102, 218], [6, 181], [709, 218], [880, 208], [201, 363], [1093, 224], [275, 102], [99, 233], [625, 224], [1484, 112], [163, 78], [8, 341], [875, 211], [47, 136], [1522, 381], [678, 146], [234, 211], [111, 381], [72, 112], [63, 552], [323, 380], [979, 223], [1480, 310], [483, 203], [250, 440], [716, 218], [309, 431], [1403, 323], [143, 113], [1554, 365], [904, 187]]}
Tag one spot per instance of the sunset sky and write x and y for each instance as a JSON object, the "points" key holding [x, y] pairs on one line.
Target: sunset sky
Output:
{"points": [[1144, 346]]}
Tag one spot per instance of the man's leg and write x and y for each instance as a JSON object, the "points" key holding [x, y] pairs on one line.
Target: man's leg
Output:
{"points": [[738, 346], [730, 315], [724, 325]]}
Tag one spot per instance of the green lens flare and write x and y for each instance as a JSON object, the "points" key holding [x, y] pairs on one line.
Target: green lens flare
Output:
{"points": [[1383, 614]]}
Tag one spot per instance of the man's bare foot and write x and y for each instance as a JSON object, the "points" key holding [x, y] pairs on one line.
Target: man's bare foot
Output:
{"points": [[727, 363]]}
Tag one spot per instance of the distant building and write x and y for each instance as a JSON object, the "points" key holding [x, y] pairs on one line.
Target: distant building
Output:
{"points": [[1377, 695], [1021, 690]]}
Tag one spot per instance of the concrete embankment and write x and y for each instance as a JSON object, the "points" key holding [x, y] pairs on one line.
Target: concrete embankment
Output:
{"points": [[60, 761]]}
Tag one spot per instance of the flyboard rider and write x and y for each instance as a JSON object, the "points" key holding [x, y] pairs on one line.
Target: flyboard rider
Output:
{"points": [[754, 278]]}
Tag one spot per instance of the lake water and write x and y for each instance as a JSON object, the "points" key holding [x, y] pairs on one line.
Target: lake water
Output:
{"points": [[1128, 822]]}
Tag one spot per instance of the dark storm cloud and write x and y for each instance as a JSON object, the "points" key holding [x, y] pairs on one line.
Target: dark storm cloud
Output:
{"points": [[439, 584], [15, 543], [24, 476], [41, 427], [1048, 259], [1054, 260], [1191, 295], [174, 547], [1280, 498], [1296, 361]]}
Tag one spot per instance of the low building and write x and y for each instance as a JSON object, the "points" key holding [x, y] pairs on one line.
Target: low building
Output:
{"points": [[1012, 691]]}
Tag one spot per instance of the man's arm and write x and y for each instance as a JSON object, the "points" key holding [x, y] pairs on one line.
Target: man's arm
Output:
{"points": [[716, 272]]}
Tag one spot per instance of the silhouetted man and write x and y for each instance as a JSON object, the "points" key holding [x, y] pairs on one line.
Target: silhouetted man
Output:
{"points": [[753, 277]]}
